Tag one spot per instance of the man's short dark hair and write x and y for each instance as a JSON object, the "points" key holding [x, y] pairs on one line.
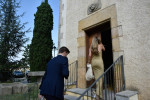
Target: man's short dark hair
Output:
{"points": [[64, 49]]}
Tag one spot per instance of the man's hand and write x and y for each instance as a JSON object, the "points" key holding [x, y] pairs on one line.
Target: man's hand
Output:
{"points": [[40, 97]]}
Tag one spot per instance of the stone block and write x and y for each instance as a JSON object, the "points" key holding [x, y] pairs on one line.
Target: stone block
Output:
{"points": [[81, 34], [17, 89], [36, 73], [117, 31], [5, 90], [81, 52], [127, 95], [39, 78], [116, 44], [114, 22], [13, 88], [81, 78], [81, 41], [81, 62], [24, 88]]}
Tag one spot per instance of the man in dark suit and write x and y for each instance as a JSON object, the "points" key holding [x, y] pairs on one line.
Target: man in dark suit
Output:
{"points": [[52, 85]]}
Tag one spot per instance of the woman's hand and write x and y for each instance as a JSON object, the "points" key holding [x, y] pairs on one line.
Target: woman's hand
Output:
{"points": [[103, 48], [88, 65]]}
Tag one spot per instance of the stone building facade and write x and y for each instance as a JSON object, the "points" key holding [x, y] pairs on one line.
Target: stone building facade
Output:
{"points": [[129, 22]]}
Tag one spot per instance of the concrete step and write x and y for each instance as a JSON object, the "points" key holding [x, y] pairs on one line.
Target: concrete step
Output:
{"points": [[79, 91], [69, 97], [72, 86], [76, 92]]}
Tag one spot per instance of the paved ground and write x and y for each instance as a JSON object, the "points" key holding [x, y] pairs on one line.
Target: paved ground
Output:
{"points": [[22, 80]]}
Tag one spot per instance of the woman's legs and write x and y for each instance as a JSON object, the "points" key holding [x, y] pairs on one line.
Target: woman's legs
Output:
{"points": [[99, 84], [99, 88]]}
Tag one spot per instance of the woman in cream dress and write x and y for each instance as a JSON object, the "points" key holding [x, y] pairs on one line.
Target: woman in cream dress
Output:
{"points": [[95, 56]]}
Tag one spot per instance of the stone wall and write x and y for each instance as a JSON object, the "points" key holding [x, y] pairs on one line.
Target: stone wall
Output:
{"points": [[62, 23], [130, 37], [69, 29], [134, 17], [13, 88]]}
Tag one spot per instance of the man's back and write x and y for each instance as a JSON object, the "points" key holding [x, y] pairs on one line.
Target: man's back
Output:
{"points": [[53, 80]]}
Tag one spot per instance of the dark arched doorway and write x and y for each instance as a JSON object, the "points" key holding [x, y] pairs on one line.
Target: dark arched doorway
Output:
{"points": [[105, 31]]}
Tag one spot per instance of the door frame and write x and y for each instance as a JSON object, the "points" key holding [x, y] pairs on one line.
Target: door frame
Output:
{"points": [[93, 20]]}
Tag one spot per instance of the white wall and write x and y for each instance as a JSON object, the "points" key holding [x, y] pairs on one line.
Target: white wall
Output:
{"points": [[134, 17]]}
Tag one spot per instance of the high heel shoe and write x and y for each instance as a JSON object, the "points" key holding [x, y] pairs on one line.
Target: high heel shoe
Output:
{"points": [[98, 98]]}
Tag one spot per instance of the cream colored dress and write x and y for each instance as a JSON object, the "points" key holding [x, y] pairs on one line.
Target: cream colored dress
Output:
{"points": [[98, 69]]}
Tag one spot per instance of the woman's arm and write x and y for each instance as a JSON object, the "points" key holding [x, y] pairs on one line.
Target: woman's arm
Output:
{"points": [[90, 55]]}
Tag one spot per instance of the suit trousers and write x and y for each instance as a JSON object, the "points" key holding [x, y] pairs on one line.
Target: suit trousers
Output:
{"points": [[49, 97]]}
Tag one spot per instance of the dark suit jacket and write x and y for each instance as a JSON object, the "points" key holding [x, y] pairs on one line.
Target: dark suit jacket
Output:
{"points": [[53, 79]]}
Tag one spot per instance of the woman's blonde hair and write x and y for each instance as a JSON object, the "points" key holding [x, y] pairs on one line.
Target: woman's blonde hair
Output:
{"points": [[94, 46]]}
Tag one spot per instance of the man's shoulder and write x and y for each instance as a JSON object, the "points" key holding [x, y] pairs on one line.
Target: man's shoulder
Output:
{"points": [[62, 58]]}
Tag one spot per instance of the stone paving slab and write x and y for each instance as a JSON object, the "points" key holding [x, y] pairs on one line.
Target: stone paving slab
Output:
{"points": [[69, 97]]}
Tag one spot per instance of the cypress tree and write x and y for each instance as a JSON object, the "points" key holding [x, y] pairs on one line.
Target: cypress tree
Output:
{"points": [[41, 46]]}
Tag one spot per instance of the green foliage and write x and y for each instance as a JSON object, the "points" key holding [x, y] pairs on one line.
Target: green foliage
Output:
{"points": [[41, 46], [25, 60], [12, 34]]}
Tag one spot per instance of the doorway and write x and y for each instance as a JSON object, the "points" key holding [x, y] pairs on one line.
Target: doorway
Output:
{"points": [[107, 55]]}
